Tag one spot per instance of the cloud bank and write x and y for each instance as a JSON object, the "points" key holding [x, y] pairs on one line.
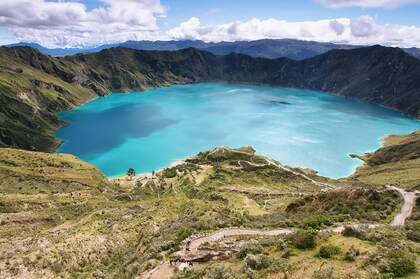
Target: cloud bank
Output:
{"points": [[361, 30], [368, 3], [72, 24]]}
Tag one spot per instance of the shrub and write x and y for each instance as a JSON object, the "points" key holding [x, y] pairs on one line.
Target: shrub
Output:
{"points": [[183, 233], [329, 250], [257, 262], [351, 232], [325, 273], [317, 222], [169, 173], [279, 265], [351, 254], [249, 248], [220, 272], [304, 239], [413, 231], [400, 263]]}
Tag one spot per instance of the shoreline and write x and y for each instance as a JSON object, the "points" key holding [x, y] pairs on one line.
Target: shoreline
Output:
{"points": [[145, 175], [383, 142]]}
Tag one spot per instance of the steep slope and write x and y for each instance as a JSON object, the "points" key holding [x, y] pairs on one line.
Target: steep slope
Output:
{"points": [[27, 172], [33, 86], [397, 163], [385, 76]]}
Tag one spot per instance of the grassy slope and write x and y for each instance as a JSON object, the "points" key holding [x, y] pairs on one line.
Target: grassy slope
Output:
{"points": [[28, 102], [397, 163], [34, 172], [124, 231]]}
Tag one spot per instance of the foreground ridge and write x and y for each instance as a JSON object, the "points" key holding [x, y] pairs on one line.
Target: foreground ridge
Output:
{"points": [[190, 251]]}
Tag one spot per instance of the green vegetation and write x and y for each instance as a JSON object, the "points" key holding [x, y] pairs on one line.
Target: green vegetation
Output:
{"points": [[328, 251], [365, 205], [304, 239], [131, 172], [53, 204], [351, 254], [397, 163], [412, 226]]}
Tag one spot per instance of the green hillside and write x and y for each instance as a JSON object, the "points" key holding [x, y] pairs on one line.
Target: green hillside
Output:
{"points": [[61, 218]]}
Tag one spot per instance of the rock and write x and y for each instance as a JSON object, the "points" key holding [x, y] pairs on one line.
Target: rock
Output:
{"points": [[98, 274]]}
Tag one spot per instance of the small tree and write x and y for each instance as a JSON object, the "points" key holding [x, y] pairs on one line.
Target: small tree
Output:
{"points": [[130, 173]]}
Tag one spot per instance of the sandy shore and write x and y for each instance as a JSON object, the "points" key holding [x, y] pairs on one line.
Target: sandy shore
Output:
{"points": [[125, 181]]}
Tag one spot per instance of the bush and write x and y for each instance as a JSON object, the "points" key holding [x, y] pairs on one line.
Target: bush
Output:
{"points": [[169, 173], [400, 263], [329, 250], [304, 239], [249, 248], [351, 254], [413, 231], [351, 232], [183, 233], [325, 273], [317, 222], [220, 273], [257, 262], [279, 265]]}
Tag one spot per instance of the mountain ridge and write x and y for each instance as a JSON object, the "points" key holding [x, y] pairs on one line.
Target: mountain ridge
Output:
{"points": [[266, 48]]}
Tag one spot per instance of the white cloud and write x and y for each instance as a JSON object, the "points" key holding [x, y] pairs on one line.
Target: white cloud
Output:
{"points": [[361, 30], [338, 27], [72, 24], [368, 3]]}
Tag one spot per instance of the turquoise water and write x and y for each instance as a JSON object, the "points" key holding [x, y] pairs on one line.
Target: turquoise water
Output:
{"points": [[149, 130]]}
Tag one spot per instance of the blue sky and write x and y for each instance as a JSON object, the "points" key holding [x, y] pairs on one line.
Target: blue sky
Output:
{"points": [[296, 10], [78, 23]]}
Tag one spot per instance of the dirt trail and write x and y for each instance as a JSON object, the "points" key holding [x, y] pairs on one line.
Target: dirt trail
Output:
{"points": [[304, 176], [219, 235], [190, 249], [407, 207], [285, 168]]}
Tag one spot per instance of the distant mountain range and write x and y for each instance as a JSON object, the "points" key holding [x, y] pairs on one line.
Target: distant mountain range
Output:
{"points": [[267, 48], [34, 86]]}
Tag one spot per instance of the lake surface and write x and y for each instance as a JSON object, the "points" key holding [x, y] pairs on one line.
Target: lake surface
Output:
{"points": [[149, 130]]}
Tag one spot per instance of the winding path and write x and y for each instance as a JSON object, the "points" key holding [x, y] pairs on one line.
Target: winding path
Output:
{"points": [[191, 250], [408, 205], [285, 168]]}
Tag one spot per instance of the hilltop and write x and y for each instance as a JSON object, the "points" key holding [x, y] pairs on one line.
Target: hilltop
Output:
{"points": [[265, 48], [34, 86]]}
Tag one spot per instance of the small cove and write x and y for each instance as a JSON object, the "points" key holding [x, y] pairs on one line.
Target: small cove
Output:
{"points": [[300, 128]]}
